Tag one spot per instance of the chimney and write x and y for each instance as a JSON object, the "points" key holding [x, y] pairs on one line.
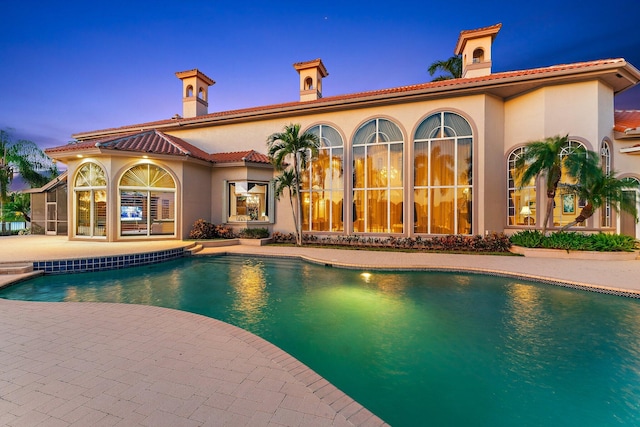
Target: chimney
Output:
{"points": [[475, 48], [311, 75], [195, 93]]}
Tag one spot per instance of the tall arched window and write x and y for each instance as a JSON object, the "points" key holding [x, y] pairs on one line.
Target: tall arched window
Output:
{"points": [[147, 201], [323, 184], [566, 206], [442, 168], [605, 162], [378, 194], [521, 205], [90, 195]]}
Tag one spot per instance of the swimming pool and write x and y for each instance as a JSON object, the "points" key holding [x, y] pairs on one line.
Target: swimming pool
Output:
{"points": [[413, 347]]}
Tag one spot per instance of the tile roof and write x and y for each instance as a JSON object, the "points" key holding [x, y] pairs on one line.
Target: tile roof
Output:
{"points": [[240, 156], [156, 142], [626, 120], [497, 79]]}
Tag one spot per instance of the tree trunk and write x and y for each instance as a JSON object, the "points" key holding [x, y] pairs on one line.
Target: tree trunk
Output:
{"points": [[585, 213], [547, 214], [298, 218], [552, 186]]}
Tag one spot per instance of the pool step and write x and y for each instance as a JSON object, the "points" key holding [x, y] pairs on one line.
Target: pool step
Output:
{"points": [[15, 268], [194, 249]]}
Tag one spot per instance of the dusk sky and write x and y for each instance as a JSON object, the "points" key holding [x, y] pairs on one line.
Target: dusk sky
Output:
{"points": [[68, 67]]}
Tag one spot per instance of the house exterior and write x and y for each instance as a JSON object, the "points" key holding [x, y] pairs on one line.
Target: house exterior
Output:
{"points": [[425, 159]]}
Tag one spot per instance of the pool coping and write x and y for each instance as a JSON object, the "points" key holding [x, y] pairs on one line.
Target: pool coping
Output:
{"points": [[628, 293]]}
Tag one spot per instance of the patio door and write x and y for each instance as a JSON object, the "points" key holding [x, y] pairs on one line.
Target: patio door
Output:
{"points": [[51, 225]]}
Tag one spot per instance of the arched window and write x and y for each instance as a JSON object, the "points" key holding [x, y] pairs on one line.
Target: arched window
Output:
{"points": [[201, 94], [189, 92], [521, 206], [378, 193], [90, 195], [478, 55], [442, 170], [323, 183], [566, 206], [308, 83], [147, 201], [605, 162]]}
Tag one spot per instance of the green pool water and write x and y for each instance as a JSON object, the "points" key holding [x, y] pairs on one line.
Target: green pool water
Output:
{"points": [[416, 348]]}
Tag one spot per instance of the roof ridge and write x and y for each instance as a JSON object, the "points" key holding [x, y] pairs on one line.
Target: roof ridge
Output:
{"points": [[173, 143], [119, 138]]}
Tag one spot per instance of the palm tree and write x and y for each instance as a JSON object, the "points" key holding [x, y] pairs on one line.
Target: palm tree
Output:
{"points": [[286, 182], [598, 188], [543, 158], [291, 150], [452, 68], [26, 158]]}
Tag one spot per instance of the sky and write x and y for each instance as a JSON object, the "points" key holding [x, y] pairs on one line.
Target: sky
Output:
{"points": [[70, 66]]}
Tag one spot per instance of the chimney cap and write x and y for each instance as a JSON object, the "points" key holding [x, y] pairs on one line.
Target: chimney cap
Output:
{"points": [[195, 73], [316, 63], [475, 34]]}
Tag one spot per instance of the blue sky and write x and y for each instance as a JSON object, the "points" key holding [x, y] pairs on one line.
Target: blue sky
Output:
{"points": [[68, 66]]}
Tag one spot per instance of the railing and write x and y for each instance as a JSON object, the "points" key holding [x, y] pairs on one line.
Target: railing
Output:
{"points": [[9, 227]]}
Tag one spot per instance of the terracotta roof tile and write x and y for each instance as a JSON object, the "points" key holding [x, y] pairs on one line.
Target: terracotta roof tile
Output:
{"points": [[477, 30], [151, 141], [156, 142], [625, 120], [240, 156], [443, 85]]}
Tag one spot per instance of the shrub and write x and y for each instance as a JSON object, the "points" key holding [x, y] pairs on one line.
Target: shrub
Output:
{"points": [[528, 238], [279, 237], [254, 233], [202, 230], [494, 242], [224, 232], [573, 241]]}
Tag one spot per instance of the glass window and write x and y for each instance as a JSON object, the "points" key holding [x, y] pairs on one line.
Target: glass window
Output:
{"points": [[322, 186], [521, 203], [378, 192], [442, 173], [565, 205], [90, 189], [248, 201], [147, 202], [605, 161]]}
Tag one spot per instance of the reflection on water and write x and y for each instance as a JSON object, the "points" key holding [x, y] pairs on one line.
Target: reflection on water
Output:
{"points": [[250, 294]]}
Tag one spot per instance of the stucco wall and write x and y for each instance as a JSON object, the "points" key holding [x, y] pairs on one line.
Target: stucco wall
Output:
{"points": [[408, 115], [196, 200]]}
